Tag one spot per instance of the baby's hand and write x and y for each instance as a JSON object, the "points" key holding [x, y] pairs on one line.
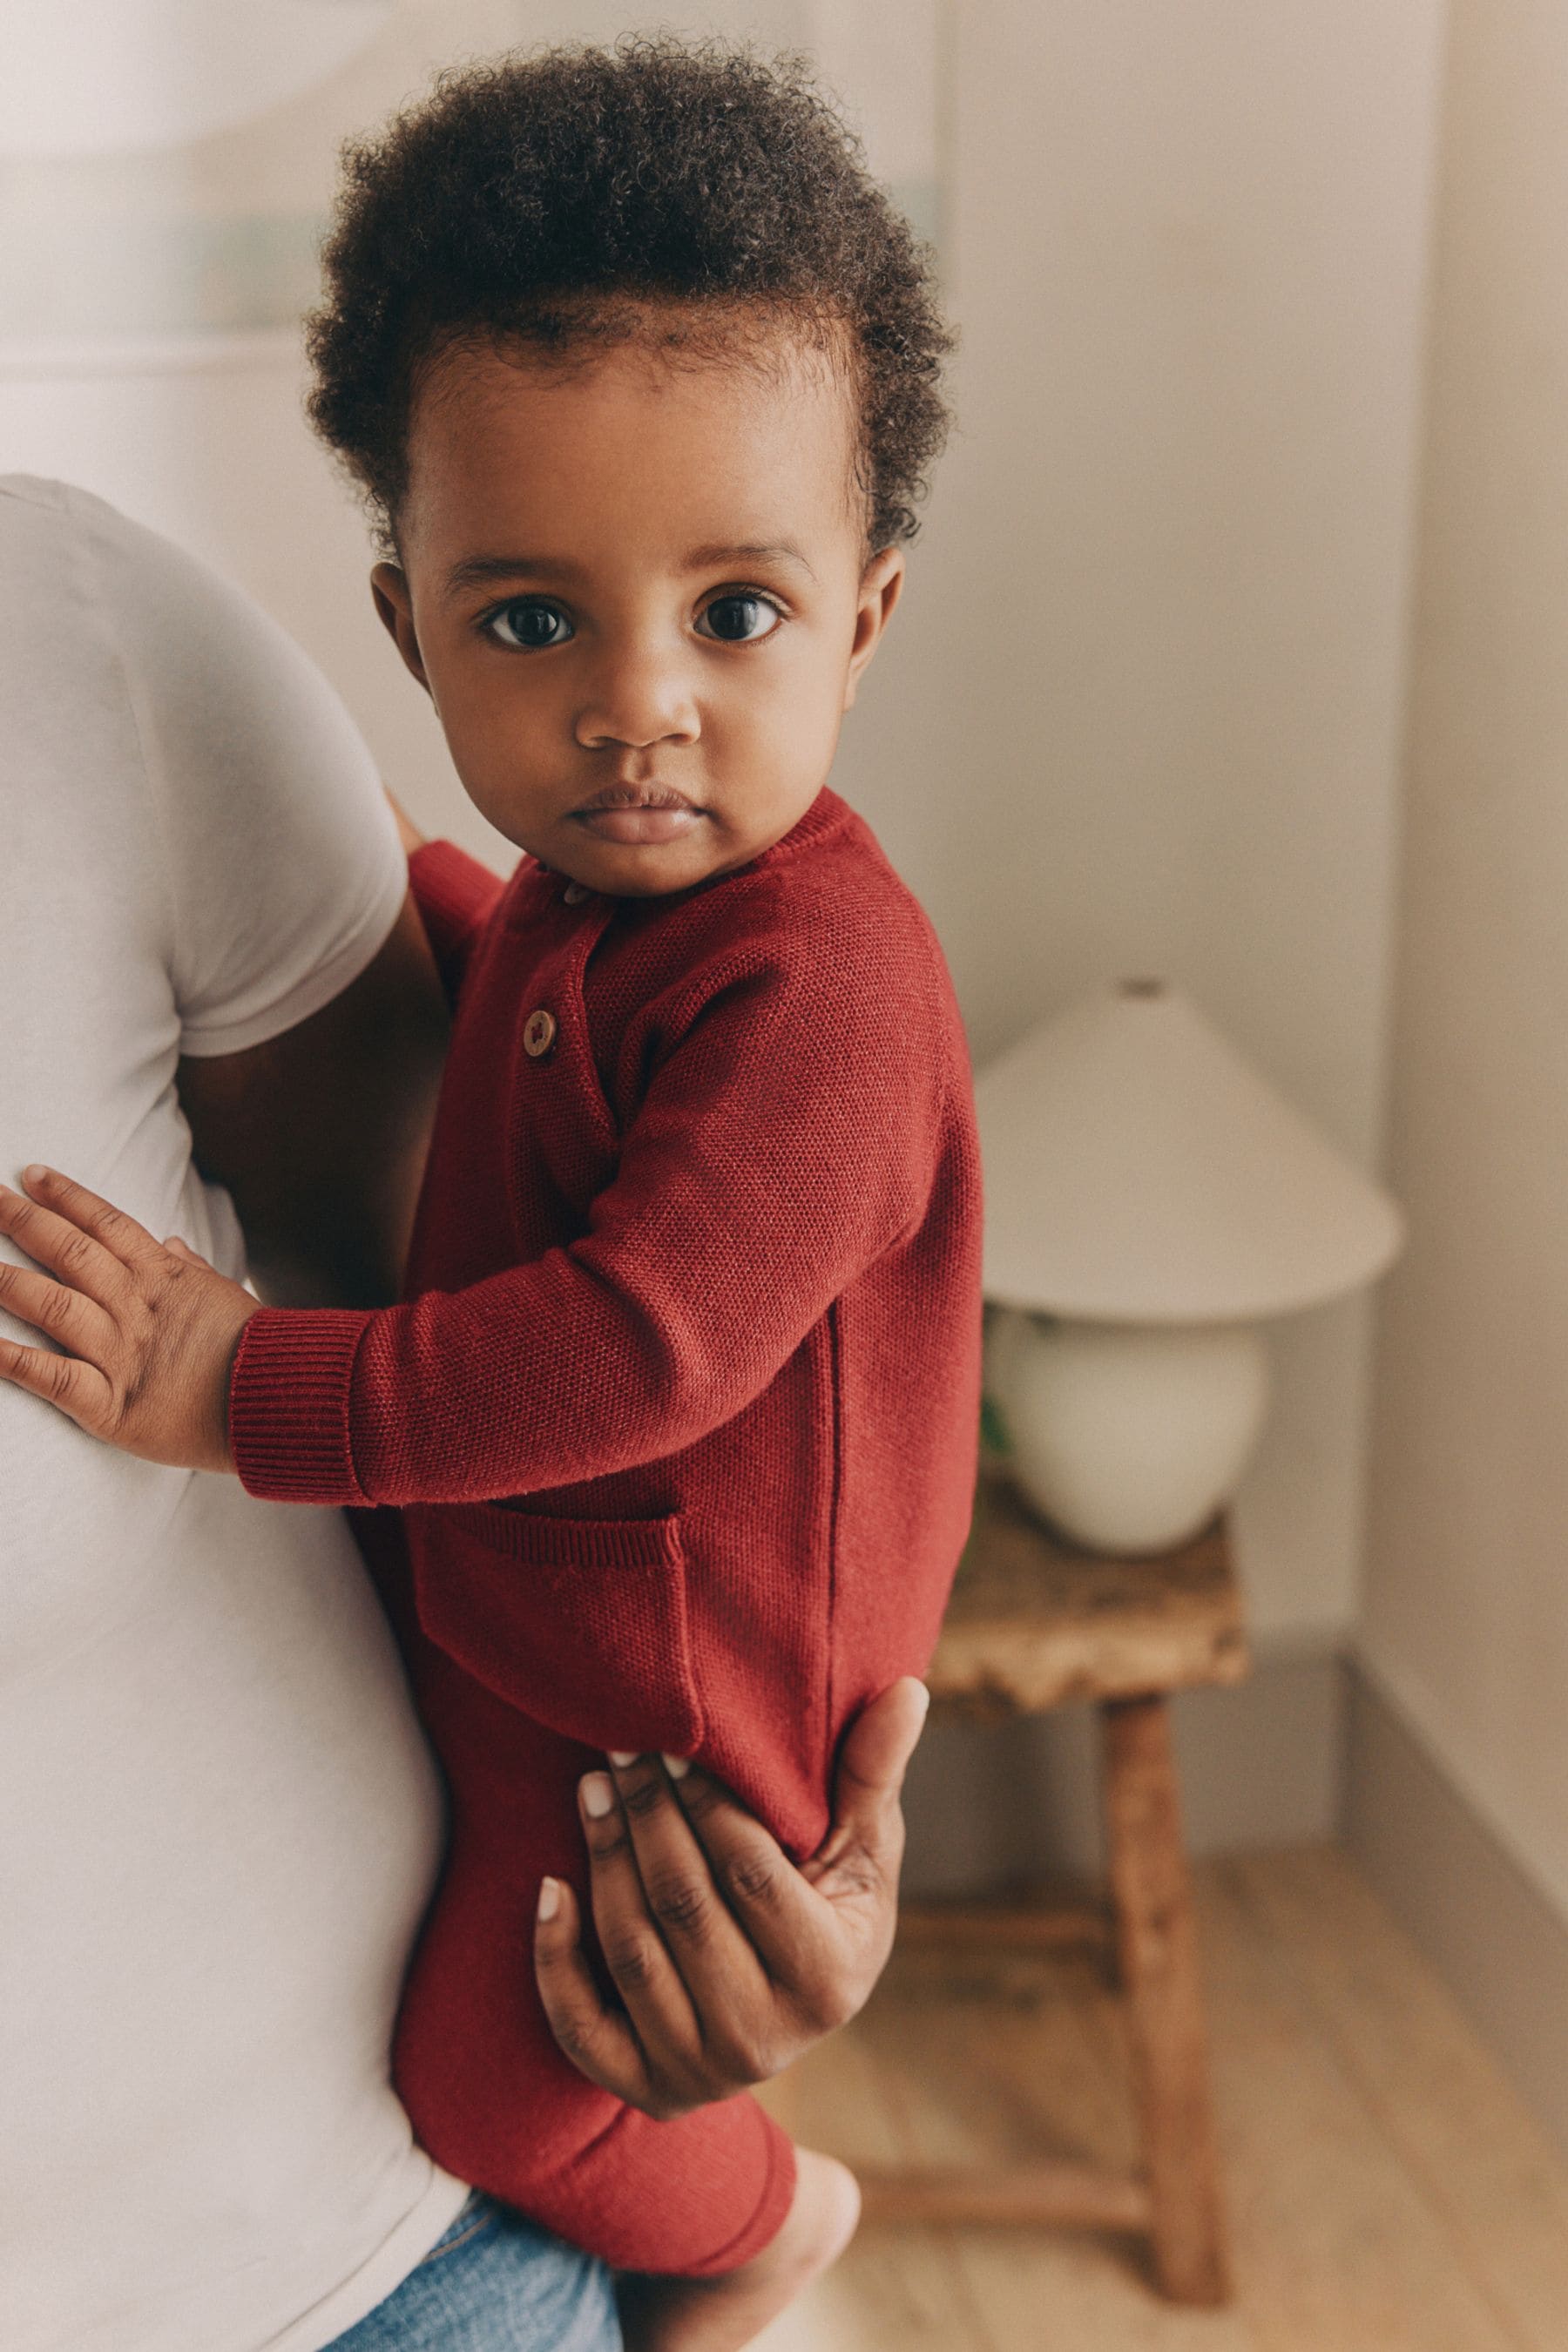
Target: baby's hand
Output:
{"points": [[150, 1329]]}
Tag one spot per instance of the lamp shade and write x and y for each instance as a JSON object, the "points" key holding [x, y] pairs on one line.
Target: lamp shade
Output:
{"points": [[1138, 1171]]}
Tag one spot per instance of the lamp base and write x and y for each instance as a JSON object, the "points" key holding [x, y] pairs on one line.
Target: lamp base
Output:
{"points": [[1128, 1437]]}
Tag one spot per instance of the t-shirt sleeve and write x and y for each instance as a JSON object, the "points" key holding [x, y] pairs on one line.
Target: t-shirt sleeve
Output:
{"points": [[284, 873]]}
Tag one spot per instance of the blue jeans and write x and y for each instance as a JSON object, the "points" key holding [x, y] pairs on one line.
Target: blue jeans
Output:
{"points": [[494, 2284]]}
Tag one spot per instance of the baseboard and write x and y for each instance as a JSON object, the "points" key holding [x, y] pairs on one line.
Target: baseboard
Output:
{"points": [[1459, 1895], [1259, 1767]]}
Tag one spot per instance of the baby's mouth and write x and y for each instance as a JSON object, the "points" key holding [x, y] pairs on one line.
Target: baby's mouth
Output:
{"points": [[649, 795], [638, 813]]}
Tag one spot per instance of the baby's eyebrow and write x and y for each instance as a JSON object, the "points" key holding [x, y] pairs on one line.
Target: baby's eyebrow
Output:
{"points": [[704, 559], [484, 570], [479, 571]]}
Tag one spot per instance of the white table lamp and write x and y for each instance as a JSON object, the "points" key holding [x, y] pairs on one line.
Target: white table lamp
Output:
{"points": [[1150, 1200]]}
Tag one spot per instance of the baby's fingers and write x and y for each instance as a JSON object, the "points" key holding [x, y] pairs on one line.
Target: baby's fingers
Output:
{"points": [[75, 1255], [111, 1226], [78, 1390], [65, 1315]]}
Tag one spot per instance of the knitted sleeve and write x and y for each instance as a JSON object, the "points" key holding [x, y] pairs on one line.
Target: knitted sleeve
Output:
{"points": [[454, 895], [788, 1139]]}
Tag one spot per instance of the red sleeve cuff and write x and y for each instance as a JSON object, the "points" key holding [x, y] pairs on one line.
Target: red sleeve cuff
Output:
{"points": [[288, 1404]]}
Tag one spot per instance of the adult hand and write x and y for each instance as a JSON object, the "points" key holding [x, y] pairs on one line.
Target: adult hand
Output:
{"points": [[730, 1961]]}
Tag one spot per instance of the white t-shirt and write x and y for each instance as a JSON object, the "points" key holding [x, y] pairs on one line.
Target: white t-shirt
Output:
{"points": [[219, 1823]]}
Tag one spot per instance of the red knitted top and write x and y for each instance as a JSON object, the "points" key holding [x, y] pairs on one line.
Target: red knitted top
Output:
{"points": [[683, 1406]]}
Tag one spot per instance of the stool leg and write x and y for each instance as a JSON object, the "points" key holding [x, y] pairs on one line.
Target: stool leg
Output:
{"points": [[1158, 1946]]}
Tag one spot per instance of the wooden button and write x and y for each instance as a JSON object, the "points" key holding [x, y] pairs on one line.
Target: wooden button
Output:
{"points": [[539, 1033], [574, 894]]}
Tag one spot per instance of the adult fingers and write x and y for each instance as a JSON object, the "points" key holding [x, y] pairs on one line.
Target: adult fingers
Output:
{"points": [[77, 1388], [53, 1308], [595, 2037], [66, 1250], [635, 1952], [786, 1922], [724, 1974], [873, 1757]]}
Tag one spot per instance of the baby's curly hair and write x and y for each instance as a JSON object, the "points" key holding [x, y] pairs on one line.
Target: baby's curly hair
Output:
{"points": [[551, 200]]}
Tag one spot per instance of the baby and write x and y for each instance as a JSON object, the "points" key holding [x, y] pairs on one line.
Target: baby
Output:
{"points": [[640, 371]]}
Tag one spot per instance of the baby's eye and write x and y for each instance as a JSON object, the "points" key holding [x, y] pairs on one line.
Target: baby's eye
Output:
{"points": [[530, 623], [734, 619]]}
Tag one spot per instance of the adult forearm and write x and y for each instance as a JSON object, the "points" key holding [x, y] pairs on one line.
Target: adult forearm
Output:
{"points": [[319, 1134]]}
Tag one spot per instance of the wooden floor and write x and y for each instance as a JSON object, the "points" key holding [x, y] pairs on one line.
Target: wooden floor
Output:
{"points": [[1388, 2191]]}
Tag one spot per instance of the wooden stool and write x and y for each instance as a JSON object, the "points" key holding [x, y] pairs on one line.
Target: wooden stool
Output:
{"points": [[1033, 1622]]}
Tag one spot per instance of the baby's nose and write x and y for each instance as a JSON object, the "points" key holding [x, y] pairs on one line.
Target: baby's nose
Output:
{"points": [[639, 698]]}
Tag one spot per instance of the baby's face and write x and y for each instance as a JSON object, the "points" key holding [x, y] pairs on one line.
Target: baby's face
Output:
{"points": [[638, 595]]}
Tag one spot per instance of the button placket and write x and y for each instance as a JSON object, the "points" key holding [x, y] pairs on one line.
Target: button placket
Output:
{"points": [[560, 1133]]}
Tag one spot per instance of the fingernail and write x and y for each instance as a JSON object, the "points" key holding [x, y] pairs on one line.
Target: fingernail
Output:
{"points": [[598, 1795], [35, 1174], [677, 1767], [621, 1756], [548, 1898], [925, 1699]]}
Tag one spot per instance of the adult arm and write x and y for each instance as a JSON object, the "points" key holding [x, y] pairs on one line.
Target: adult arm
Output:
{"points": [[729, 1962], [320, 1133], [454, 892]]}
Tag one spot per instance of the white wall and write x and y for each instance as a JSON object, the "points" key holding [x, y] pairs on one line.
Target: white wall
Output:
{"points": [[1467, 1608], [1143, 711]]}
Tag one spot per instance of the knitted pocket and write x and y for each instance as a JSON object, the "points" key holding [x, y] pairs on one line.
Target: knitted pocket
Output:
{"points": [[581, 1623]]}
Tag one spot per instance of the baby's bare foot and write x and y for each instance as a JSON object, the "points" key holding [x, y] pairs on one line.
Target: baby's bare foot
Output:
{"points": [[720, 2314]]}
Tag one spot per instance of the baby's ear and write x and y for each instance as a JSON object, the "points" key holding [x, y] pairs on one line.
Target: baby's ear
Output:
{"points": [[882, 585], [389, 587]]}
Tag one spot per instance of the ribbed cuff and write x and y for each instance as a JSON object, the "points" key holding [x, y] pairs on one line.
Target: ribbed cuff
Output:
{"points": [[288, 1404], [773, 2207]]}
